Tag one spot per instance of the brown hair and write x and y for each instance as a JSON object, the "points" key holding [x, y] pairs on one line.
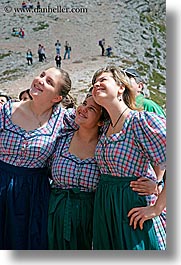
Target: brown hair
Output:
{"points": [[104, 114], [66, 83], [120, 78], [25, 91]]}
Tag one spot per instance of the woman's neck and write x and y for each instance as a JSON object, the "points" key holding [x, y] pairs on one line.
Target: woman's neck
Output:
{"points": [[87, 135], [39, 109], [115, 109]]}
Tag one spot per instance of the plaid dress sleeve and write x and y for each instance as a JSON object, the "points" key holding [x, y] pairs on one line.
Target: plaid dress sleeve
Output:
{"points": [[150, 136]]}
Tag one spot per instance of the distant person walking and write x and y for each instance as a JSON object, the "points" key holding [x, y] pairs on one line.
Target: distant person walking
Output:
{"points": [[102, 45], [58, 47], [58, 60], [67, 50]]}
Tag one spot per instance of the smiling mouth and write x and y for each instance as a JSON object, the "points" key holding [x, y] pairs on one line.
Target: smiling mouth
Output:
{"points": [[81, 115], [37, 88], [98, 91]]}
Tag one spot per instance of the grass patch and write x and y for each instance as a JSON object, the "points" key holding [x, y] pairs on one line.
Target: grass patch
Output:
{"points": [[158, 97], [2, 56], [41, 26]]}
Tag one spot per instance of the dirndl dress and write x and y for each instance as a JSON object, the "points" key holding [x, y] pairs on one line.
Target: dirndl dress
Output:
{"points": [[115, 195], [122, 157], [24, 196]]}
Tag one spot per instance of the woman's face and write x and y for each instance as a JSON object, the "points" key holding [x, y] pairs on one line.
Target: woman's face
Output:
{"points": [[88, 113], [3, 100], [47, 85], [105, 88], [136, 88], [25, 96]]}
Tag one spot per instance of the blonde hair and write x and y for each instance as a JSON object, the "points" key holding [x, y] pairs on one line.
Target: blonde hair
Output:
{"points": [[120, 78]]}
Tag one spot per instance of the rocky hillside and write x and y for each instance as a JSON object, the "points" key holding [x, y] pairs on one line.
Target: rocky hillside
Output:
{"points": [[136, 29]]}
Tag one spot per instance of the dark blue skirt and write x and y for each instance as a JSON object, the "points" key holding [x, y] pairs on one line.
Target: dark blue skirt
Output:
{"points": [[24, 197]]}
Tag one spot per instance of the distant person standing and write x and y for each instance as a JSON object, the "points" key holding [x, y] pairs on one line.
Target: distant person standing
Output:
{"points": [[108, 51], [58, 47], [40, 53], [102, 45], [38, 6], [67, 50], [43, 53], [58, 60], [29, 56], [140, 91]]}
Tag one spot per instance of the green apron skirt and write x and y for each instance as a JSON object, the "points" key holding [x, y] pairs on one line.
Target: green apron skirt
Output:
{"points": [[70, 219], [111, 230]]}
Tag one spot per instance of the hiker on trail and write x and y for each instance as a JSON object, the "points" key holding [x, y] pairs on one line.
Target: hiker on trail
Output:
{"points": [[67, 50], [21, 33], [108, 51], [58, 47], [38, 6], [43, 53], [40, 53], [58, 60], [102, 45], [29, 56]]}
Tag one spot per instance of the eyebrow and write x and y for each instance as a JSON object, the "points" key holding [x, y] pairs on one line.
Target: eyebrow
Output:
{"points": [[49, 78], [91, 104], [94, 107]]}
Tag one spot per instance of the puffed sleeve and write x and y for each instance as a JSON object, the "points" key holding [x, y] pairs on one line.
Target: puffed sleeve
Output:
{"points": [[69, 120], [150, 136], [1, 118]]}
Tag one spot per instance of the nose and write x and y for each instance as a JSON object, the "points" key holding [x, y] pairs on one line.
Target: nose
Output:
{"points": [[96, 84], [41, 82], [84, 109]]}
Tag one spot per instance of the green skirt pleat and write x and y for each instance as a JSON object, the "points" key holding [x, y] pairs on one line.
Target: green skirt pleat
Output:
{"points": [[111, 230], [70, 220]]}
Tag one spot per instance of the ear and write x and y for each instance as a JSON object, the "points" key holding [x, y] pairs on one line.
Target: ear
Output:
{"points": [[140, 85], [57, 99], [121, 89], [100, 123]]}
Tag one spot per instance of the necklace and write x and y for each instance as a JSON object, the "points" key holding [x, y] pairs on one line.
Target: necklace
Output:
{"points": [[40, 123], [113, 126]]}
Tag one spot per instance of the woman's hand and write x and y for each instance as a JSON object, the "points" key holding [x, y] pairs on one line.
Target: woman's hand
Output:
{"points": [[139, 215], [144, 186]]}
